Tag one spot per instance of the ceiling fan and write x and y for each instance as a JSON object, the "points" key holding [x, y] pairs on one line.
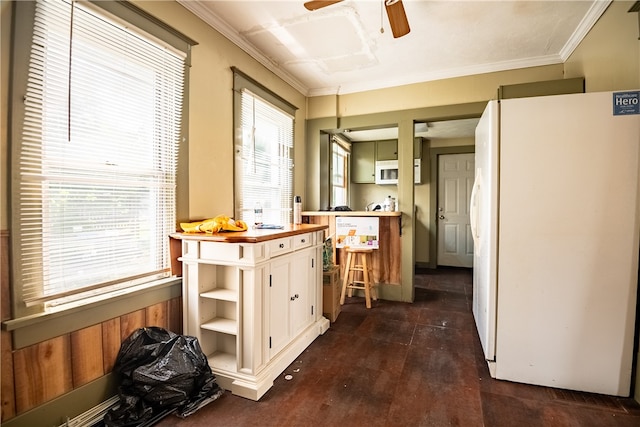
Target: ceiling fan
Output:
{"points": [[395, 12]]}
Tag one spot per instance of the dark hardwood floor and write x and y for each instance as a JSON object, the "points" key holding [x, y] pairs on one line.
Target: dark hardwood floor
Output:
{"points": [[401, 364]]}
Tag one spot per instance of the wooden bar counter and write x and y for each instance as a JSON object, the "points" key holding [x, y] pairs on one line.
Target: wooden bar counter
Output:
{"points": [[386, 259]]}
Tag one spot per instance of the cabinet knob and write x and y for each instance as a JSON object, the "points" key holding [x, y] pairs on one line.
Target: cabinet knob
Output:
{"points": [[303, 240], [281, 245]]}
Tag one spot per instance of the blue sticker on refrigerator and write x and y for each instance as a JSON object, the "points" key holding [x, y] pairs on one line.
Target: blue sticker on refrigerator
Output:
{"points": [[625, 103]]}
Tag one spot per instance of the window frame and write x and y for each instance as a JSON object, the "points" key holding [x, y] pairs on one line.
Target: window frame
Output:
{"points": [[346, 148], [242, 83], [23, 24]]}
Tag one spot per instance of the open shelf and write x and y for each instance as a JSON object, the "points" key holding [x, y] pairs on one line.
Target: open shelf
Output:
{"points": [[221, 294], [220, 324], [223, 361]]}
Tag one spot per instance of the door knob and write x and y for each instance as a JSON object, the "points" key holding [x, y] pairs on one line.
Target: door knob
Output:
{"points": [[441, 217]]}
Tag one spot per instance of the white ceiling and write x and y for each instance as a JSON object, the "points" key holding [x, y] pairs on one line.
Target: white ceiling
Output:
{"points": [[339, 49]]}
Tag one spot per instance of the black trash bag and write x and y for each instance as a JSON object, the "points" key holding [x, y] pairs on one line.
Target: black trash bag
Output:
{"points": [[161, 373]]}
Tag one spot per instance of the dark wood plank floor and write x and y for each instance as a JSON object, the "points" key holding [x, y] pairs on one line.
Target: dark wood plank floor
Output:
{"points": [[401, 364]]}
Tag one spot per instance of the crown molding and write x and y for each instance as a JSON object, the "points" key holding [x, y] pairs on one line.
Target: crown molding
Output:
{"points": [[227, 31], [389, 82], [595, 12]]}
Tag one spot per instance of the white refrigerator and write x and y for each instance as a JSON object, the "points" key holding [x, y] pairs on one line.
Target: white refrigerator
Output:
{"points": [[555, 221]]}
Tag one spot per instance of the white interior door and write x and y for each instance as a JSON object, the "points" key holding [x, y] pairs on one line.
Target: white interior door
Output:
{"points": [[456, 173]]}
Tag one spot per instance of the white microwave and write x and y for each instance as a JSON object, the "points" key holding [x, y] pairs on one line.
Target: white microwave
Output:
{"points": [[387, 172]]}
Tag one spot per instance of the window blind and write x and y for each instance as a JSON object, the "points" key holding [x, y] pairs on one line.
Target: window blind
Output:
{"points": [[339, 175], [264, 161], [97, 157]]}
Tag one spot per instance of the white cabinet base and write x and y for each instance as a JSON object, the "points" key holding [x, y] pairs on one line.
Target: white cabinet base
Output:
{"points": [[254, 387], [254, 305]]}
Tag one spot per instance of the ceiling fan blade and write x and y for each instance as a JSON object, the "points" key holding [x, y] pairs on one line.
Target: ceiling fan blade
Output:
{"points": [[397, 18], [317, 4]]}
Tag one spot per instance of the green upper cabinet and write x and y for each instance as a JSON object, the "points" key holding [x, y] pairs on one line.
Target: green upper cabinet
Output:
{"points": [[365, 154], [387, 150], [363, 164]]}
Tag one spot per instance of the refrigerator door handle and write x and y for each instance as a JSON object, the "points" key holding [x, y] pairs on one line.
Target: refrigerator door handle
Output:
{"points": [[473, 210]]}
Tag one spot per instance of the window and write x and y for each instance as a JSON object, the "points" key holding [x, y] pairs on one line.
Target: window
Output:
{"points": [[263, 154], [339, 173], [95, 164]]}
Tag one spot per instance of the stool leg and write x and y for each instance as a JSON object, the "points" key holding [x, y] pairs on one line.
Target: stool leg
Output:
{"points": [[353, 274], [374, 292], [345, 281], [367, 283]]}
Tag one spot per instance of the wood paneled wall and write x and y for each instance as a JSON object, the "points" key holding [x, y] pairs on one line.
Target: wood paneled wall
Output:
{"points": [[36, 374], [6, 360]]}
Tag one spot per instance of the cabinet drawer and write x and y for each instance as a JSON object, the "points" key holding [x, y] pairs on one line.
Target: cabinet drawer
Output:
{"points": [[232, 252], [220, 251], [279, 246], [302, 241]]}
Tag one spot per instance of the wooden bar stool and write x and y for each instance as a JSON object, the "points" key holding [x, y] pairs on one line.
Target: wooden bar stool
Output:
{"points": [[351, 270]]}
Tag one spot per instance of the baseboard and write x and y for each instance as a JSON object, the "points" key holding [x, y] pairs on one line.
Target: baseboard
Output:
{"points": [[94, 416], [420, 264], [77, 405]]}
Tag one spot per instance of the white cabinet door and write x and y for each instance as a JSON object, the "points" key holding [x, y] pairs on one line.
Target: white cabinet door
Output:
{"points": [[302, 295], [277, 294], [291, 294]]}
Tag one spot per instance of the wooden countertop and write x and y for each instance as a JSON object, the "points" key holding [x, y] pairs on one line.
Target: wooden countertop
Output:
{"points": [[251, 235], [350, 213]]}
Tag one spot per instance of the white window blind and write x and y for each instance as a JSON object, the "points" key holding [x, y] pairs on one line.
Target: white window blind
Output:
{"points": [[96, 170], [339, 175], [264, 161]]}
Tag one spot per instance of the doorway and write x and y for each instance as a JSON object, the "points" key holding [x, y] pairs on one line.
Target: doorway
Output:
{"points": [[442, 245], [455, 182]]}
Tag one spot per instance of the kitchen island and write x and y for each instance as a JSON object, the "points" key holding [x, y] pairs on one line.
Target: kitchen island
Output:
{"points": [[253, 299], [386, 259]]}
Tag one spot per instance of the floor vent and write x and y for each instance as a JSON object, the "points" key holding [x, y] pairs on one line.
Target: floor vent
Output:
{"points": [[587, 399], [94, 416]]}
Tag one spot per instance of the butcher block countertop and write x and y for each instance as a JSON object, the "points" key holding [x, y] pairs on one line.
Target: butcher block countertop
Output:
{"points": [[251, 235], [350, 213]]}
